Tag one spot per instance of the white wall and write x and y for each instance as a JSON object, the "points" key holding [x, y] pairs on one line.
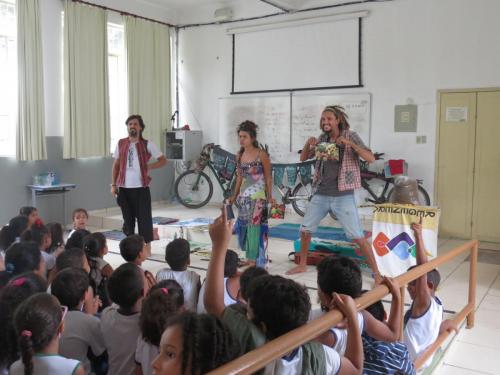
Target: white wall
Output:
{"points": [[410, 50]]}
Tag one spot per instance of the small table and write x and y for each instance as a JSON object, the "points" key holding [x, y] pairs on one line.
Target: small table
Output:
{"points": [[38, 190]]}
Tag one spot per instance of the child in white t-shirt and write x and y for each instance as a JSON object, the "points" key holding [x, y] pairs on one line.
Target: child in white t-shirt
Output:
{"points": [[423, 319], [120, 321], [177, 255], [80, 217], [164, 300], [231, 282], [82, 329], [39, 321]]}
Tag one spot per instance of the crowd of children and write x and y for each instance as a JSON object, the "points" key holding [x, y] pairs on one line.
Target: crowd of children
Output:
{"points": [[65, 310]]}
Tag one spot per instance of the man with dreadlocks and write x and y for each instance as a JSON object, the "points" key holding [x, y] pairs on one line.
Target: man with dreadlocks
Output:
{"points": [[130, 178], [337, 175]]}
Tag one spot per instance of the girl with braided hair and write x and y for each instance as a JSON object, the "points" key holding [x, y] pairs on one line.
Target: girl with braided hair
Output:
{"points": [[194, 344], [39, 321], [337, 151]]}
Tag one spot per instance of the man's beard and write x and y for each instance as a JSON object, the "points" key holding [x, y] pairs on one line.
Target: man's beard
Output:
{"points": [[132, 133]]}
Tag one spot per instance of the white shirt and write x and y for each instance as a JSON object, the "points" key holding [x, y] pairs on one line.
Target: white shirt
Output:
{"points": [[81, 331], [145, 353], [44, 364], [188, 280], [340, 334], [294, 366], [228, 300], [133, 172], [421, 332], [120, 333]]}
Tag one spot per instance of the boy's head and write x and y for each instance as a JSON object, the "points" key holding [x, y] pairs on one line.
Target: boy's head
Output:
{"points": [[72, 258], [277, 305], [377, 310], [80, 218], [30, 212], [338, 275], [433, 280], [177, 254], [132, 249], [70, 286], [246, 278], [126, 285], [76, 239], [230, 264]]}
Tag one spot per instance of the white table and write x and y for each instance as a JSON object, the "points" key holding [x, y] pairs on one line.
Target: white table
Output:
{"points": [[39, 190]]}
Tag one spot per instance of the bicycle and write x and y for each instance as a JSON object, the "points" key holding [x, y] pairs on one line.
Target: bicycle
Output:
{"points": [[194, 187], [366, 176]]}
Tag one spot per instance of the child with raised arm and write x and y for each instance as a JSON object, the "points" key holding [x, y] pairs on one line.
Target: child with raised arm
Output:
{"points": [[423, 319], [276, 306], [343, 275]]}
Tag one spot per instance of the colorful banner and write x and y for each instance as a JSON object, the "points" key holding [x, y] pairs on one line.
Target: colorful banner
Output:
{"points": [[393, 241]]}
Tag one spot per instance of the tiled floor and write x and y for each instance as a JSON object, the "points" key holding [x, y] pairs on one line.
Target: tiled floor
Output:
{"points": [[474, 351]]}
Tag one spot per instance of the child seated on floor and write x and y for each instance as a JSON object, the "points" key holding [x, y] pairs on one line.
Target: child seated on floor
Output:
{"points": [[277, 305], [343, 275], [23, 257], [134, 250], [57, 235], [423, 320], [164, 300], [391, 358], [70, 258], [80, 217], [76, 239], [82, 330], [13, 294], [95, 247], [177, 255], [231, 282], [31, 213], [39, 322], [184, 344], [39, 234], [120, 321], [9, 234]]}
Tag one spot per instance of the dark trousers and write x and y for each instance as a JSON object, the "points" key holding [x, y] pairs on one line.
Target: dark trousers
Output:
{"points": [[136, 204]]}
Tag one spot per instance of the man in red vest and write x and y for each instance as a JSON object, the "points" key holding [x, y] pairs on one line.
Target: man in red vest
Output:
{"points": [[130, 178]]}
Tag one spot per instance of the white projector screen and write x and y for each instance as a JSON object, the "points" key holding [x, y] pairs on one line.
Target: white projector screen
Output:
{"points": [[321, 55]]}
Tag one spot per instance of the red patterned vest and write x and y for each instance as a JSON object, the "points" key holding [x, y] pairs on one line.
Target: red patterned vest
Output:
{"points": [[144, 156]]}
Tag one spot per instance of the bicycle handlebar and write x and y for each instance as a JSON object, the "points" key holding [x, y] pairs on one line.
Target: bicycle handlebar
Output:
{"points": [[378, 155]]}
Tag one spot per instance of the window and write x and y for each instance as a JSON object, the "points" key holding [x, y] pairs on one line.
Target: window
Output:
{"points": [[8, 77], [118, 99]]}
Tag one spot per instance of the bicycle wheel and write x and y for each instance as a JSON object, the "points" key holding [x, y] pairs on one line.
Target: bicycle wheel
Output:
{"points": [[423, 196], [193, 189], [300, 197]]}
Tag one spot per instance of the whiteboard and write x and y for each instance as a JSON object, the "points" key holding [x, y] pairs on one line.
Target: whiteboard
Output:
{"points": [[306, 114], [285, 123], [271, 114]]}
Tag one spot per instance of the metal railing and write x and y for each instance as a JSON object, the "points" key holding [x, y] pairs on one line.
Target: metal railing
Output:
{"points": [[277, 348]]}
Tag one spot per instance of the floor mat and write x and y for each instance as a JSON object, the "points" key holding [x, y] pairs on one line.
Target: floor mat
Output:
{"points": [[290, 231], [162, 220], [115, 235]]}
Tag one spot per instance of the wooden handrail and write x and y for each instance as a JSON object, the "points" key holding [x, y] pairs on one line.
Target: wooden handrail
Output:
{"points": [[277, 348]]}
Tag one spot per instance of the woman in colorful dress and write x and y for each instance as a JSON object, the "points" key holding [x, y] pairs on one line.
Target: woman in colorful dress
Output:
{"points": [[252, 193]]}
